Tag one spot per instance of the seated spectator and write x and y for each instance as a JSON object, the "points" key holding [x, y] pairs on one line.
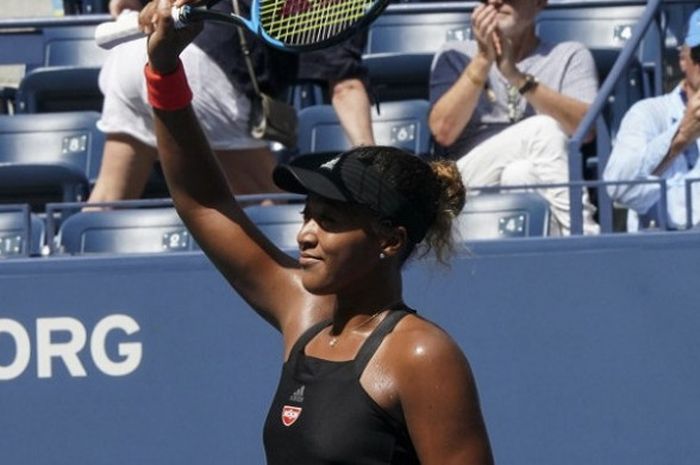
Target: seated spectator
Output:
{"points": [[340, 66], [220, 79], [658, 138], [505, 103], [220, 82]]}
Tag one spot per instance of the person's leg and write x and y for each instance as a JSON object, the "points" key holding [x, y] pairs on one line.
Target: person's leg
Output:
{"points": [[541, 143], [248, 171], [351, 103], [124, 171]]}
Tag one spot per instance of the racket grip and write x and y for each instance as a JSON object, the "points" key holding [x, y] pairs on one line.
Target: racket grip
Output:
{"points": [[126, 28]]}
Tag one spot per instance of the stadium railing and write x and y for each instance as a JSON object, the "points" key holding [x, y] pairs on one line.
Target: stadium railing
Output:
{"points": [[153, 226], [651, 14]]}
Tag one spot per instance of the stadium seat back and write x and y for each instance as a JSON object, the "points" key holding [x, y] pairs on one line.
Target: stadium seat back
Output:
{"points": [[59, 89], [280, 223], [21, 232], [53, 155], [400, 48], [412, 31], [72, 46], [503, 215], [124, 231], [401, 124]]}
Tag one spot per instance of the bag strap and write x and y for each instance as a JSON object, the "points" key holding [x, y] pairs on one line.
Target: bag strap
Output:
{"points": [[246, 51]]}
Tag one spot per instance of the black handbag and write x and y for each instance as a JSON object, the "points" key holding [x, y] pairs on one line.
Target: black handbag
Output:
{"points": [[273, 120], [270, 119]]}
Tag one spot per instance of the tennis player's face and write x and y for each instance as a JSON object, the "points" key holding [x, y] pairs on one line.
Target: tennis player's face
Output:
{"points": [[337, 247]]}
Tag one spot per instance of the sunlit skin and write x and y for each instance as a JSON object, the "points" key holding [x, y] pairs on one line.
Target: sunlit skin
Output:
{"points": [[339, 277], [513, 17], [336, 247]]}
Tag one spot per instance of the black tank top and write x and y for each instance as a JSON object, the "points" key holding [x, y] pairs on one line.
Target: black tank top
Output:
{"points": [[321, 415]]}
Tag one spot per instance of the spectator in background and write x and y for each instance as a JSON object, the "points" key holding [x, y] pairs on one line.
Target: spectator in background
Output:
{"points": [[505, 103], [218, 75], [221, 84], [341, 67], [658, 139]]}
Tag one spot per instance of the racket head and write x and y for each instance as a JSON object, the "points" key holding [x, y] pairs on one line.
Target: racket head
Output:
{"points": [[302, 25]]}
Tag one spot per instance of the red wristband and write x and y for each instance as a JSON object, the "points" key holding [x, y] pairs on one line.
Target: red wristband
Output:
{"points": [[168, 91]]}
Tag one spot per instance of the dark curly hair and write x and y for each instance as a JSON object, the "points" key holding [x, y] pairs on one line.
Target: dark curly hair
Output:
{"points": [[434, 190]]}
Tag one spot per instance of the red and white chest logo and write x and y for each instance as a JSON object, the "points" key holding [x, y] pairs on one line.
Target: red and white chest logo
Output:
{"points": [[290, 415]]}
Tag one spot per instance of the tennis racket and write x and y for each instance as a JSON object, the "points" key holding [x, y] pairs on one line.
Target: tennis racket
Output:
{"points": [[291, 25]]}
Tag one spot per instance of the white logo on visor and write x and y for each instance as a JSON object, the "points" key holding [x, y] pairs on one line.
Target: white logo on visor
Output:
{"points": [[330, 164]]}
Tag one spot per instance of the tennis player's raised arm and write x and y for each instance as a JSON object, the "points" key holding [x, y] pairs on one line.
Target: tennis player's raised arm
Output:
{"points": [[250, 262]]}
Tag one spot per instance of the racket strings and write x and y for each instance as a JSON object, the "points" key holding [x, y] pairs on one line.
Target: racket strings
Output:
{"points": [[301, 22]]}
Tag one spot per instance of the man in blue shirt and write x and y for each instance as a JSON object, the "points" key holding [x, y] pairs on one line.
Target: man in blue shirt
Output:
{"points": [[658, 138]]}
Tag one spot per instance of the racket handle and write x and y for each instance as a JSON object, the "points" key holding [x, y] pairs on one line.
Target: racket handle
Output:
{"points": [[126, 28]]}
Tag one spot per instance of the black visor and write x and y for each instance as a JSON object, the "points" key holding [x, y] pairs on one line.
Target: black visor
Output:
{"points": [[346, 177]]}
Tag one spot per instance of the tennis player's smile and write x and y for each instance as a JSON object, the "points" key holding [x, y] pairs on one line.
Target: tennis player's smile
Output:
{"points": [[307, 260]]}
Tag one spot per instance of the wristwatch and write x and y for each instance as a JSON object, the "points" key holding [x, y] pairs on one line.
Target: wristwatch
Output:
{"points": [[529, 84]]}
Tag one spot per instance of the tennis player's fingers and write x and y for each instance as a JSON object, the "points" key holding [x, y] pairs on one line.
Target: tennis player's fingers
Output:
{"points": [[166, 42]]}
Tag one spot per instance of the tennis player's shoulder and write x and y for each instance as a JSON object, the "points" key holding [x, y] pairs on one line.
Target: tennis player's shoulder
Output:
{"points": [[418, 343]]}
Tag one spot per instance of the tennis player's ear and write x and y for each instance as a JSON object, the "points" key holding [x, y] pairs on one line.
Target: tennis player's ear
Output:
{"points": [[394, 241]]}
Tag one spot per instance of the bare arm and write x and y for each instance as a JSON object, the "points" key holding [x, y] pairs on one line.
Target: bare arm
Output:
{"points": [[451, 113], [688, 132], [441, 405], [351, 103], [244, 256], [117, 6], [568, 111]]}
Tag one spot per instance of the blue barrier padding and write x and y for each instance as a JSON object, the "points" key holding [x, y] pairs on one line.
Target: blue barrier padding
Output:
{"points": [[586, 350]]}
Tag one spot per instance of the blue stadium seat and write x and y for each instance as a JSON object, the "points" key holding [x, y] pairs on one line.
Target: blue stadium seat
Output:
{"points": [[48, 157], [21, 232], [67, 79], [72, 46], [401, 44], [59, 89], [605, 31], [280, 223], [402, 124], [503, 215], [123, 231]]}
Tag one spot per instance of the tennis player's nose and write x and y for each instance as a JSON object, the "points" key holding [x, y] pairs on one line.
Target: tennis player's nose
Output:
{"points": [[306, 237]]}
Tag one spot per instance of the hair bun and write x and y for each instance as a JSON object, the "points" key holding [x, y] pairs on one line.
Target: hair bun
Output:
{"points": [[454, 193]]}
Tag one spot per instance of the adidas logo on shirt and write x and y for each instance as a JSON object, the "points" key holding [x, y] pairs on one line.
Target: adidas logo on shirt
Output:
{"points": [[298, 395]]}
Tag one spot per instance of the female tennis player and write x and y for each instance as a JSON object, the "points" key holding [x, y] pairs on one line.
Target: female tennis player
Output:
{"points": [[365, 380]]}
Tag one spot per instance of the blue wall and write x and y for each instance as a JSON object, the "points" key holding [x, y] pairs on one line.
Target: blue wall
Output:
{"points": [[586, 351]]}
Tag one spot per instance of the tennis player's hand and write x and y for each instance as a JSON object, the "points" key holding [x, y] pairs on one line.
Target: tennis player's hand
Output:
{"points": [[165, 42], [484, 25]]}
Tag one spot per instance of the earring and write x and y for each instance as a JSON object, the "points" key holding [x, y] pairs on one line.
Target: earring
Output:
{"points": [[382, 256]]}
